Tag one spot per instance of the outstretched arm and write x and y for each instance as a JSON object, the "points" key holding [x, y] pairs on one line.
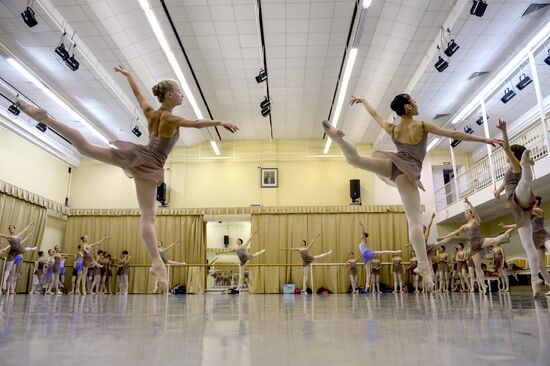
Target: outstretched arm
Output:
{"points": [[99, 241], [382, 122], [249, 239], [436, 130], [516, 167], [26, 238], [145, 106], [499, 190], [26, 229], [428, 227], [539, 212], [199, 123], [313, 240], [290, 249], [454, 233], [506, 227], [171, 245], [476, 216], [4, 236], [2, 250]]}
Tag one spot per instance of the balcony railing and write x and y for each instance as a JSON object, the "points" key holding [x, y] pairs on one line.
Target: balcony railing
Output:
{"points": [[478, 176]]}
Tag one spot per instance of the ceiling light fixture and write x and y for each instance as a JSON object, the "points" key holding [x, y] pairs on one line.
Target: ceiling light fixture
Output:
{"points": [[524, 80], [478, 8], [503, 73], [30, 77], [342, 93], [28, 15], [163, 41], [432, 144]]}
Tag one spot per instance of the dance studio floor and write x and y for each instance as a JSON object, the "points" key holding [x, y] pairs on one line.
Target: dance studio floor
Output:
{"points": [[215, 329]]}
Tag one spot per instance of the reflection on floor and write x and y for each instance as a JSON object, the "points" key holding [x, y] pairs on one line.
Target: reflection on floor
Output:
{"points": [[214, 329]]}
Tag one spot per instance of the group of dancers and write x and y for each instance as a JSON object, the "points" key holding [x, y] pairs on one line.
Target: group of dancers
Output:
{"points": [[403, 169]]}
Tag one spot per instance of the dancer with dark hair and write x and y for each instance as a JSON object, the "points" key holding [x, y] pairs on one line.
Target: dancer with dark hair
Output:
{"points": [[88, 261], [404, 167], [352, 264], [521, 199], [38, 272], [244, 257], [123, 272], [142, 162], [76, 278]]}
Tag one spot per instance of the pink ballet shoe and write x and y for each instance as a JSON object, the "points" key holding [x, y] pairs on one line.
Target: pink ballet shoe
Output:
{"points": [[158, 270], [331, 131], [37, 114]]}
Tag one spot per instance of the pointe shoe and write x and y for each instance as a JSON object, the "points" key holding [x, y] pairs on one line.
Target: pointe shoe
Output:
{"points": [[424, 271], [536, 285], [158, 270], [331, 131], [526, 158], [33, 112]]}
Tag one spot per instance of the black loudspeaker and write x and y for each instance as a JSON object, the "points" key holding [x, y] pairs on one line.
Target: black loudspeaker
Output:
{"points": [[355, 191], [161, 193], [478, 8], [226, 240]]}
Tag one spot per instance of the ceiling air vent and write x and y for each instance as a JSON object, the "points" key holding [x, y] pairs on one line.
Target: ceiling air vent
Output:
{"points": [[441, 115], [478, 74], [534, 8]]}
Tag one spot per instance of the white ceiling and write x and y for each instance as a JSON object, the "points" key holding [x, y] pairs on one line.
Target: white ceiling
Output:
{"points": [[305, 43]]}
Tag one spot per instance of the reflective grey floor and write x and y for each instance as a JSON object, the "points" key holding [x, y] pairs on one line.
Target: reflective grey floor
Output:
{"points": [[215, 329]]}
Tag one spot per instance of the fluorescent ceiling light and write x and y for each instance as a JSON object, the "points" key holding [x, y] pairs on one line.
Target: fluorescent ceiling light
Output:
{"points": [[503, 74], [161, 38], [434, 142], [215, 147], [366, 3], [342, 93], [23, 71]]}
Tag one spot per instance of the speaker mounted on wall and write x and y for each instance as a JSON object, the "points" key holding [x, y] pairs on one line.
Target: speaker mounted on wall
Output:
{"points": [[355, 191]]}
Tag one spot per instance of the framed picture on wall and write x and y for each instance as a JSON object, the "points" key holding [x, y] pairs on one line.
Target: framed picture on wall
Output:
{"points": [[269, 178]]}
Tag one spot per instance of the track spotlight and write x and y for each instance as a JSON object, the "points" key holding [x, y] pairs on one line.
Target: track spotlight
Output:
{"points": [[62, 52], [14, 110], [452, 47], [524, 80], [469, 130], [547, 59], [29, 17], [72, 63], [480, 121], [261, 77], [478, 8], [455, 143], [441, 64], [508, 94], [136, 131], [265, 107], [42, 127]]}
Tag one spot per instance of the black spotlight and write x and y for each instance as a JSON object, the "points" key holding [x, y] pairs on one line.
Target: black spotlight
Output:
{"points": [[42, 127], [469, 130], [480, 121], [136, 131], [508, 94], [455, 143], [72, 63], [547, 59], [261, 77], [265, 106], [452, 47], [478, 8], [441, 64], [14, 110], [62, 52], [524, 80], [28, 17]]}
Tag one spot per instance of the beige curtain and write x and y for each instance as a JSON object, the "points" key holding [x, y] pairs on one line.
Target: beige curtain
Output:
{"points": [[17, 212], [340, 232], [125, 234]]}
